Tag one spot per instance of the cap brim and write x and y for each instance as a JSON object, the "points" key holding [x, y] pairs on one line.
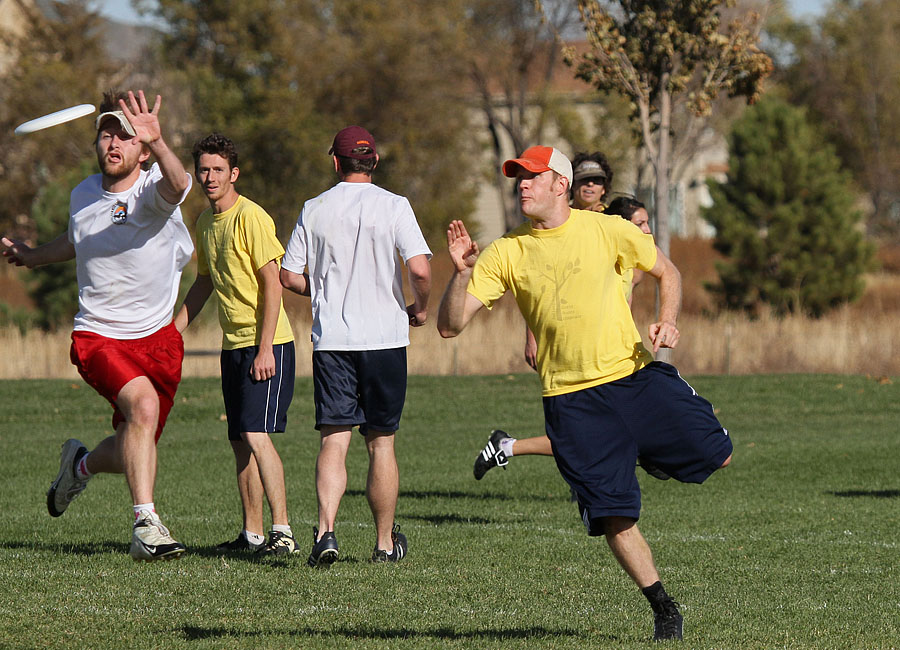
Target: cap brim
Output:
{"points": [[591, 174], [510, 171], [119, 116]]}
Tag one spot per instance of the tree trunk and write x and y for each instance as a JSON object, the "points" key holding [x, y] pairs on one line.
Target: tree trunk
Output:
{"points": [[662, 167]]}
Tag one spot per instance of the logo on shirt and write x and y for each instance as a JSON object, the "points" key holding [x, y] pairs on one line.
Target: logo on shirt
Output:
{"points": [[119, 213]]}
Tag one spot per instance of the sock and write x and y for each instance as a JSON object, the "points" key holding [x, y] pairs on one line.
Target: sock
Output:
{"points": [[254, 538], [143, 506], [506, 446], [656, 594], [283, 529], [82, 473]]}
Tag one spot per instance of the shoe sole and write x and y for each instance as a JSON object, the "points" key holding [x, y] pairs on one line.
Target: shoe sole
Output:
{"points": [[326, 558], [171, 555], [51, 493]]}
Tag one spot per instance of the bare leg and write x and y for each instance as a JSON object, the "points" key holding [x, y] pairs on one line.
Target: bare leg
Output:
{"points": [[132, 450], [331, 474], [631, 550], [538, 445], [271, 474], [250, 487], [382, 485]]}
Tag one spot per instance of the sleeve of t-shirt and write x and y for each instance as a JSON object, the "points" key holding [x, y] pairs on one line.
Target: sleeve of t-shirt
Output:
{"points": [[634, 248], [259, 238], [407, 234], [295, 254], [487, 282]]}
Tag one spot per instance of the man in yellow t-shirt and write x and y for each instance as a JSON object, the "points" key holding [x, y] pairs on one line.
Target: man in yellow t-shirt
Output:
{"points": [[605, 399], [238, 258]]}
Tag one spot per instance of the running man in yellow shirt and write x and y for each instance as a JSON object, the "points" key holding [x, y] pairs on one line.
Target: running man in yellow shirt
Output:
{"points": [[605, 399], [238, 257]]}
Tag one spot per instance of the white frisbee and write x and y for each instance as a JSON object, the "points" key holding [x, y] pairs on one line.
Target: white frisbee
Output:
{"points": [[53, 119]]}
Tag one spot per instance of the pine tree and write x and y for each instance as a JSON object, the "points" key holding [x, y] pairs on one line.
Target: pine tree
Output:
{"points": [[785, 219]]}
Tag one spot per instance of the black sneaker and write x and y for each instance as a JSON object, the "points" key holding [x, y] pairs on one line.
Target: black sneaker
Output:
{"points": [[668, 623], [652, 469], [399, 550], [491, 456], [324, 551], [239, 544], [279, 544]]}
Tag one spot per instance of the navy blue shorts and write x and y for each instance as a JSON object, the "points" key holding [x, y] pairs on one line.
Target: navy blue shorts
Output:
{"points": [[365, 388], [598, 433], [256, 406]]}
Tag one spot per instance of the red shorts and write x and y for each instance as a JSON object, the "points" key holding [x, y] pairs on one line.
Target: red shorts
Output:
{"points": [[108, 364]]}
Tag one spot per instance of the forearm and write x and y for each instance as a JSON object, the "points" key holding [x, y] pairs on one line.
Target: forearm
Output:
{"points": [[451, 313], [175, 179], [196, 297], [670, 295], [419, 271], [57, 250], [271, 304]]}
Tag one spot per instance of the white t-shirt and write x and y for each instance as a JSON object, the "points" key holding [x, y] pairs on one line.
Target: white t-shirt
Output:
{"points": [[348, 238], [130, 248]]}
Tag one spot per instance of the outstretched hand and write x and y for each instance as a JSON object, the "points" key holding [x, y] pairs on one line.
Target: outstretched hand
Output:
{"points": [[462, 248], [144, 120], [16, 252]]}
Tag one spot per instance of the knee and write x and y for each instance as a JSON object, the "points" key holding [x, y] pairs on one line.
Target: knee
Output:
{"points": [[143, 411], [615, 526], [726, 463], [380, 442]]}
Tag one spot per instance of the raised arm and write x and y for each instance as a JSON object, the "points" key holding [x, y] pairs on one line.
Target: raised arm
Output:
{"points": [[664, 333], [146, 127], [419, 271], [21, 254], [458, 306]]}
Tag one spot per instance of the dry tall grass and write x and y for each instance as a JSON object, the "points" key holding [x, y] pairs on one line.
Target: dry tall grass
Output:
{"points": [[859, 339]]}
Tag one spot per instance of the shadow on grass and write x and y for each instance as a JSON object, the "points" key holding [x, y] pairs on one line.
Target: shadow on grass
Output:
{"points": [[458, 494], [439, 520], [62, 548], [880, 494], [193, 633]]}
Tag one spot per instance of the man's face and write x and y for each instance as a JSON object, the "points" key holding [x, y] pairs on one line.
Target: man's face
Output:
{"points": [[537, 192], [215, 175], [641, 219], [587, 192], [118, 153]]}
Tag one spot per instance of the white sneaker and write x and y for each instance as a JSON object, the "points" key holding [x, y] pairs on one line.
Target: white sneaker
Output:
{"points": [[150, 540], [67, 485]]}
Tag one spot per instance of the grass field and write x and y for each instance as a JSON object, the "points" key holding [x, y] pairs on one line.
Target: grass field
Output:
{"points": [[794, 546]]}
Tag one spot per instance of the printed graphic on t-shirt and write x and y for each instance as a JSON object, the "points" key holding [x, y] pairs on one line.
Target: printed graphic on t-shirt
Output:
{"points": [[119, 213], [557, 275]]}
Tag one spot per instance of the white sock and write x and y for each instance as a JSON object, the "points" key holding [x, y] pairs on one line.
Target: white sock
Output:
{"points": [[143, 506], [506, 446], [254, 538], [283, 529], [82, 473]]}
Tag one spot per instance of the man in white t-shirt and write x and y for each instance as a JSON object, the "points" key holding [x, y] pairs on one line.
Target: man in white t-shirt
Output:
{"points": [[343, 253], [130, 245]]}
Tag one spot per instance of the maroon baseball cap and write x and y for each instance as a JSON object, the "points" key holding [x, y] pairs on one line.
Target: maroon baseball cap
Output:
{"points": [[350, 138]]}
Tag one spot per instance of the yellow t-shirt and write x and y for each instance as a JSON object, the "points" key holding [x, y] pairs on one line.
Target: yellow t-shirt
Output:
{"points": [[627, 280], [231, 248], [567, 288]]}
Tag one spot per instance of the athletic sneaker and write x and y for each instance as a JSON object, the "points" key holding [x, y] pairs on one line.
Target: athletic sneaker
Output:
{"points": [[150, 540], [652, 469], [668, 623], [279, 544], [324, 551], [399, 551], [239, 544], [491, 456], [67, 486]]}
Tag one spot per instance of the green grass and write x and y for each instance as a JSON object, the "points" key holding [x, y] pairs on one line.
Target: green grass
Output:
{"points": [[794, 546]]}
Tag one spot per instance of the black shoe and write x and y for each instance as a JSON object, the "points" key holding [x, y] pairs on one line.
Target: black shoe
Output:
{"points": [[668, 623], [239, 544], [491, 455], [324, 551], [652, 469], [279, 544], [399, 551]]}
